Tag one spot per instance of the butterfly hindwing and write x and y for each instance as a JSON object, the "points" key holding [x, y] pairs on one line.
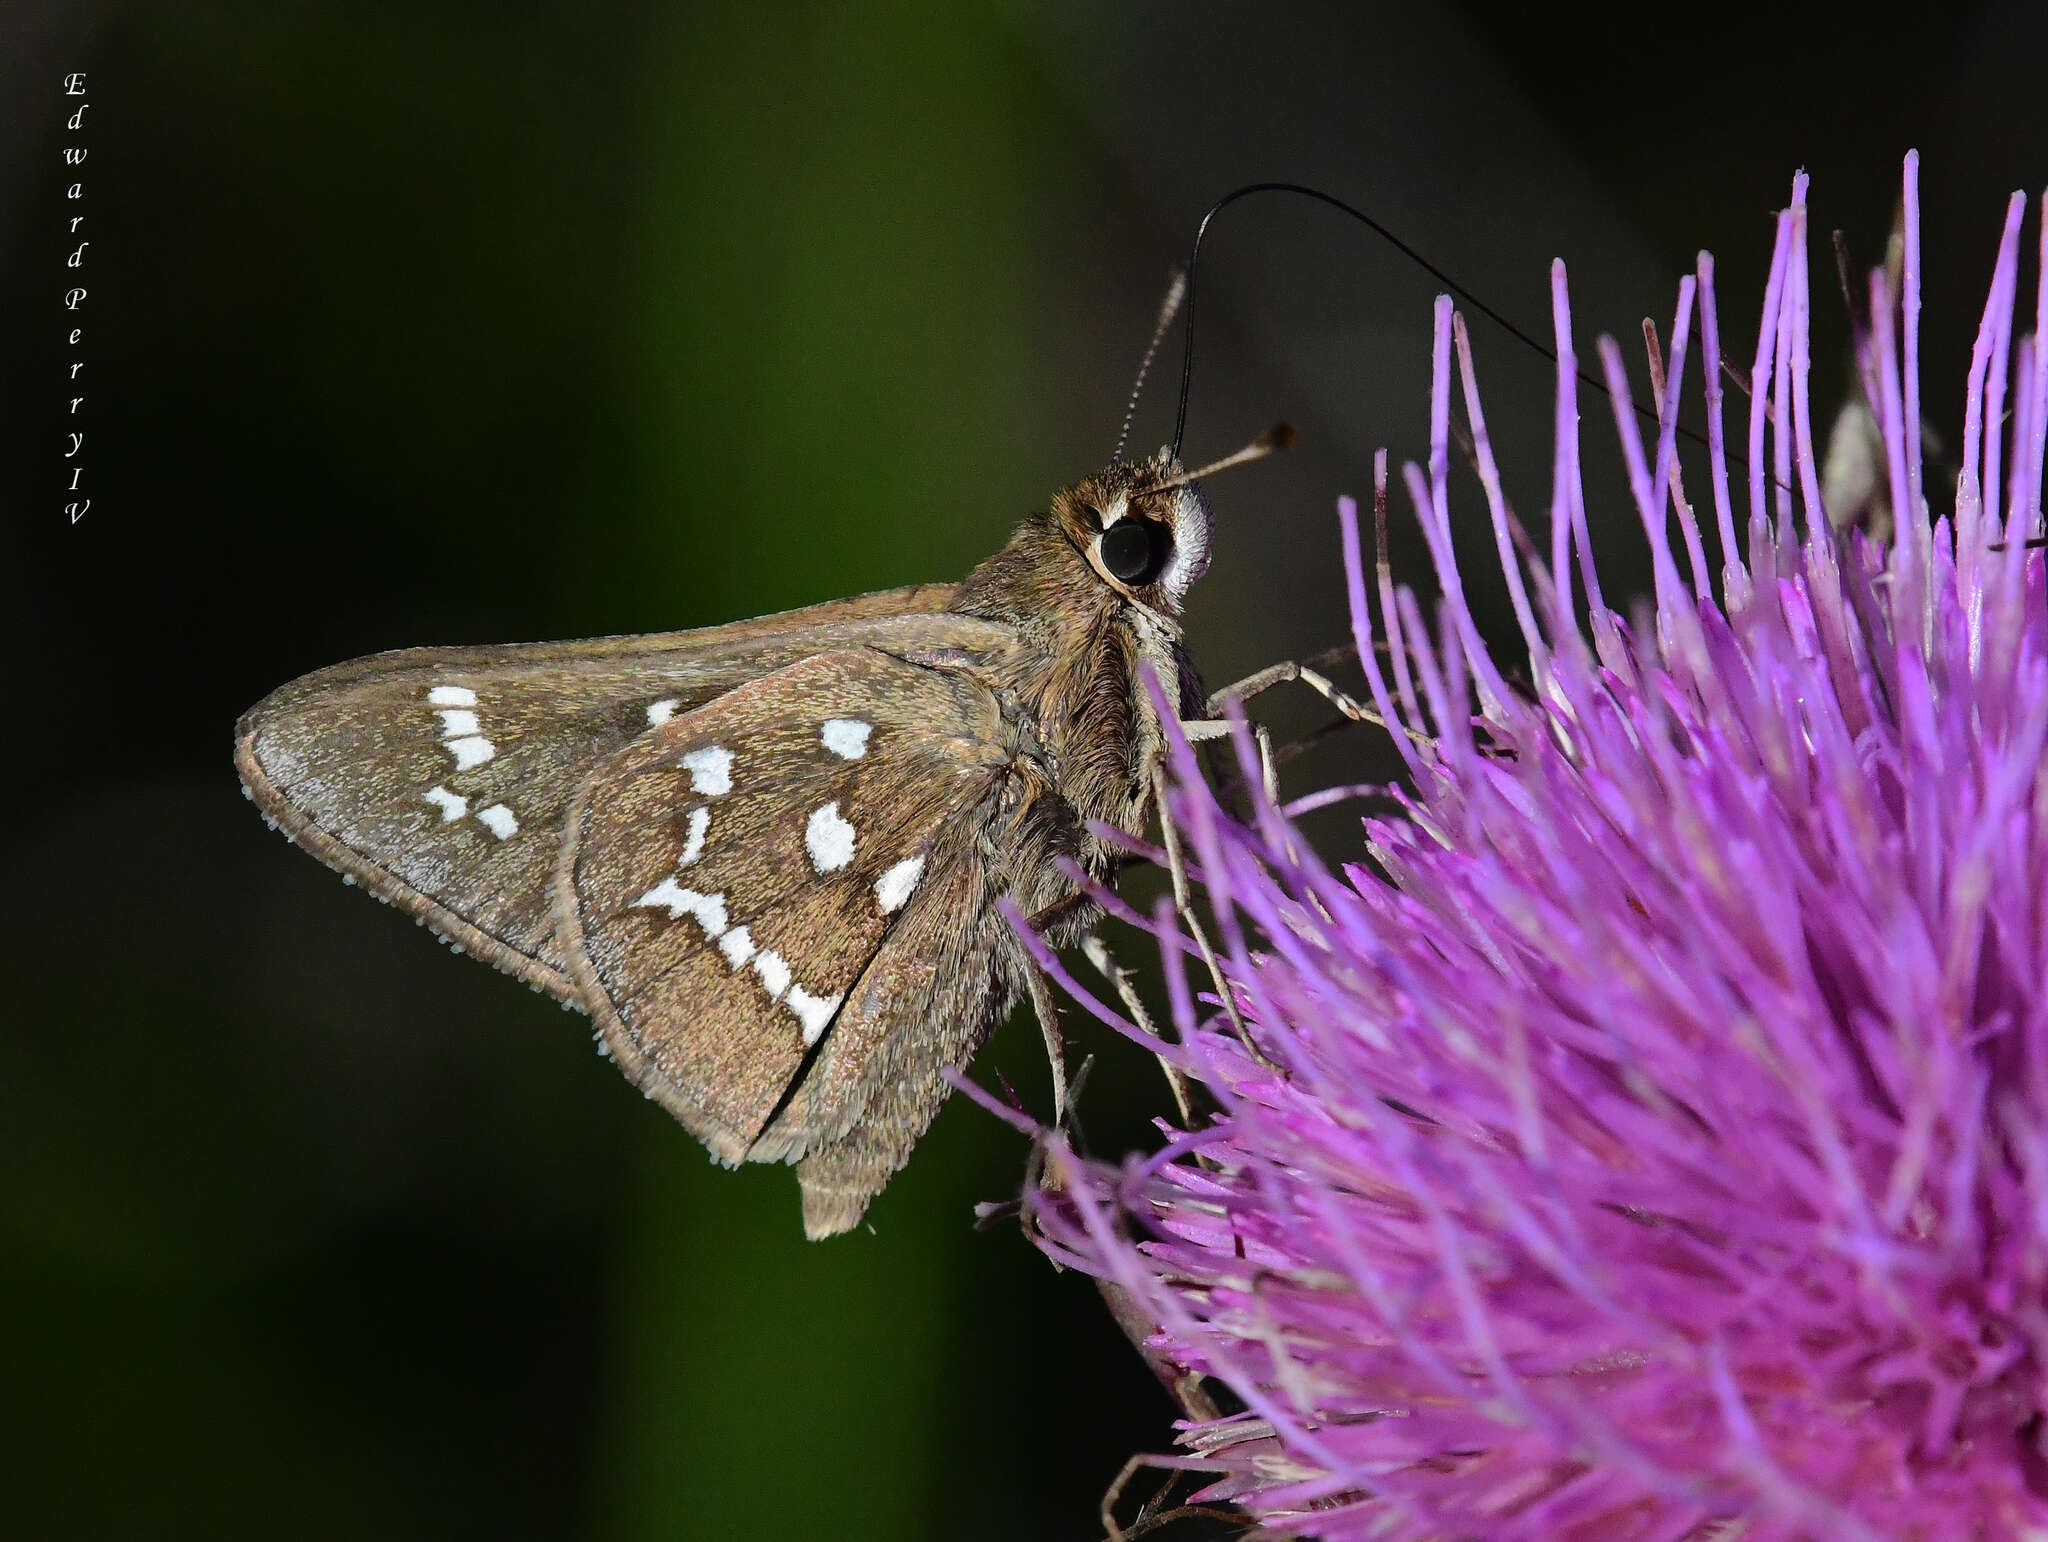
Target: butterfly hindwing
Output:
{"points": [[947, 975], [440, 778], [733, 883]]}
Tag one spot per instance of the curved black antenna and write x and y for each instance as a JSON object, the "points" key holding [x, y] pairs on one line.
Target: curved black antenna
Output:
{"points": [[1317, 195], [1187, 353], [1176, 290]]}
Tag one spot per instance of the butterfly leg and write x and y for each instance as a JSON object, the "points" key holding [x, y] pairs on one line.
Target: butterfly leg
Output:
{"points": [[1177, 870], [1310, 674], [1271, 757], [1055, 1043], [1045, 923], [1287, 671]]}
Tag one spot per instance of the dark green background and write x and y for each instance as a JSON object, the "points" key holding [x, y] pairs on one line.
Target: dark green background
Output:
{"points": [[435, 322]]}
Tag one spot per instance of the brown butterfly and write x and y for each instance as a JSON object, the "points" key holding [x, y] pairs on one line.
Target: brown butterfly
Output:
{"points": [[768, 858]]}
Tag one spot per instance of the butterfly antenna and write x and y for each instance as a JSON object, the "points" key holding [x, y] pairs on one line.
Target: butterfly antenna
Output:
{"points": [[1301, 190], [1278, 437], [1176, 291]]}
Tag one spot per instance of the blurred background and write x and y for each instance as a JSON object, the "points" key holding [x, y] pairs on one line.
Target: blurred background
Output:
{"points": [[438, 322]]}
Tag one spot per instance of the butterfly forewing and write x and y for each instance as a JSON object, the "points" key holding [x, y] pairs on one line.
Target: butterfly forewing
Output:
{"points": [[731, 881], [441, 777]]}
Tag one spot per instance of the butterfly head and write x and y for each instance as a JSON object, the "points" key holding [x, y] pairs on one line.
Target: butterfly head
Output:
{"points": [[1143, 530]]}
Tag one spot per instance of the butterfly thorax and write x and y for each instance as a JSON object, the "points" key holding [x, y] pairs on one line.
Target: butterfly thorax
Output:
{"points": [[1076, 693]]}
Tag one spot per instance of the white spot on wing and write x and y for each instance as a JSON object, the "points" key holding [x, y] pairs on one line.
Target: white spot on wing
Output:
{"points": [[659, 712], [470, 752], [710, 770], [452, 696], [894, 887], [499, 821], [736, 943], [711, 914], [814, 1012], [846, 737], [456, 722], [829, 839], [693, 848], [707, 909], [451, 804], [773, 971], [670, 895]]}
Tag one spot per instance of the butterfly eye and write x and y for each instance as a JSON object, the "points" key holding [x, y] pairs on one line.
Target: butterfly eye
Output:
{"points": [[1134, 550]]}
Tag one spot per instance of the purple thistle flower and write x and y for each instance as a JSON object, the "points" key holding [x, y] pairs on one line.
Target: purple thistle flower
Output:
{"points": [[1650, 1141]]}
